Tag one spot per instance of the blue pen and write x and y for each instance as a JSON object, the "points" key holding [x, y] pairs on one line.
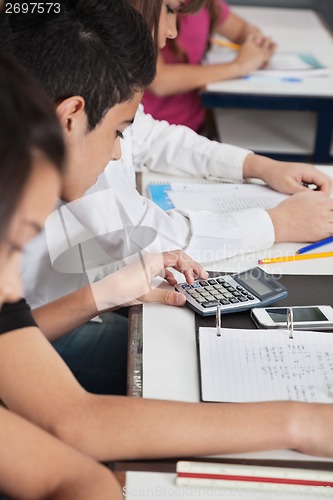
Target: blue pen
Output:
{"points": [[315, 245]]}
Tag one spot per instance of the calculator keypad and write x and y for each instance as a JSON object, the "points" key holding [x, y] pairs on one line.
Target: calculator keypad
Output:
{"points": [[224, 290]]}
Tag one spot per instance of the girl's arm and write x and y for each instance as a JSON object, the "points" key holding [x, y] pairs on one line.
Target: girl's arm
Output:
{"points": [[37, 384], [178, 78], [34, 464], [124, 287], [238, 30]]}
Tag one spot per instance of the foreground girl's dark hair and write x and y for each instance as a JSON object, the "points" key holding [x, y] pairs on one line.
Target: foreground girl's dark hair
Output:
{"points": [[28, 125]]}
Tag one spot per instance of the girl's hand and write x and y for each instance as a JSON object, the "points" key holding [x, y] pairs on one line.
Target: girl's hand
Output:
{"points": [[253, 54]]}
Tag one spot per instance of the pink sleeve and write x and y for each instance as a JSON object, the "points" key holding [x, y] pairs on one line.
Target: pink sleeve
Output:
{"points": [[225, 10]]}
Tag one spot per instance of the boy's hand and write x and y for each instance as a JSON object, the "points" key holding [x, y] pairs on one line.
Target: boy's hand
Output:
{"points": [[286, 177], [305, 216], [133, 282], [182, 263]]}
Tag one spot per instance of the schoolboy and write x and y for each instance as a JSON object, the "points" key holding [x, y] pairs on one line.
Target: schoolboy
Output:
{"points": [[205, 236]]}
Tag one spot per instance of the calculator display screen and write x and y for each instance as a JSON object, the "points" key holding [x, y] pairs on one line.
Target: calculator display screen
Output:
{"points": [[257, 285], [300, 314]]}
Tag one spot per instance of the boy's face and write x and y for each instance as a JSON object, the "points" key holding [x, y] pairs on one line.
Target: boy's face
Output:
{"points": [[90, 152]]}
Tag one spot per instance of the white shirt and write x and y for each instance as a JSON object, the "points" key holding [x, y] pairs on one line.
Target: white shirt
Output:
{"points": [[112, 209]]}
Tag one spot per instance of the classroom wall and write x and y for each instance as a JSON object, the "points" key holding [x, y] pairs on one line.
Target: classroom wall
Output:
{"points": [[324, 7]]}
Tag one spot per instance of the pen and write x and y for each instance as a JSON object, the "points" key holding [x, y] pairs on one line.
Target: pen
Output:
{"points": [[225, 43], [318, 244], [291, 258], [218, 320]]}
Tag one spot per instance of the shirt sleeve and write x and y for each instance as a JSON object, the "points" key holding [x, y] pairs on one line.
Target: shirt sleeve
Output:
{"points": [[16, 315], [178, 150], [206, 236], [215, 236]]}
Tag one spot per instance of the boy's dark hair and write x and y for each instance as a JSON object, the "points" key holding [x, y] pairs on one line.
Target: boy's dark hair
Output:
{"points": [[28, 125], [101, 50]]}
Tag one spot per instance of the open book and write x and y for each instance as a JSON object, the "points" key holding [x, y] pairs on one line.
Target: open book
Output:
{"points": [[282, 64], [213, 197], [292, 64], [265, 365]]}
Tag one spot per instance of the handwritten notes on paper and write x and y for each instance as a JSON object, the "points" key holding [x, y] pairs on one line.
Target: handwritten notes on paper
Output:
{"points": [[265, 365]]}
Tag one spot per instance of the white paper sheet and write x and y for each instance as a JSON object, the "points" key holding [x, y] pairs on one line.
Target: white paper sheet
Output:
{"points": [[265, 365], [282, 64], [223, 198]]}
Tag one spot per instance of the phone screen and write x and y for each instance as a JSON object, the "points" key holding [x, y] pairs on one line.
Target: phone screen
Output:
{"points": [[300, 314]]}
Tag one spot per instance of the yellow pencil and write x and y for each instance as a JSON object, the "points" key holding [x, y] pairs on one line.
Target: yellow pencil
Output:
{"points": [[225, 43], [291, 258]]}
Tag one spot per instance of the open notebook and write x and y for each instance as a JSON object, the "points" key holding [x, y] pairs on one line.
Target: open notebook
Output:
{"points": [[265, 365], [213, 197], [282, 64]]}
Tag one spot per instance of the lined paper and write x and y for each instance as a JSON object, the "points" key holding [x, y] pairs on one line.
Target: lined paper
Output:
{"points": [[223, 198], [265, 365]]}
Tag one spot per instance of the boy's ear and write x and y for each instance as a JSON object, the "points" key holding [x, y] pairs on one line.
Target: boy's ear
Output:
{"points": [[71, 110]]}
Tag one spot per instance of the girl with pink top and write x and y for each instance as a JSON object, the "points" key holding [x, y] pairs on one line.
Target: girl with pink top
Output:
{"points": [[173, 95]]}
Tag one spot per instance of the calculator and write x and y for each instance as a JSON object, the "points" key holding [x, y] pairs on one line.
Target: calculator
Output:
{"points": [[234, 292]]}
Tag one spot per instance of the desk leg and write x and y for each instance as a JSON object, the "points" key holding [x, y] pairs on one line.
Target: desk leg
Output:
{"points": [[135, 351], [323, 136]]}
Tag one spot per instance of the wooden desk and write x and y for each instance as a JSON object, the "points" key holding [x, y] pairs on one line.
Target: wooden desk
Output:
{"points": [[162, 346], [296, 30]]}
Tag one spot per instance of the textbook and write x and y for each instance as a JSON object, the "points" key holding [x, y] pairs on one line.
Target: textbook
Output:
{"points": [[243, 366], [213, 197], [282, 64]]}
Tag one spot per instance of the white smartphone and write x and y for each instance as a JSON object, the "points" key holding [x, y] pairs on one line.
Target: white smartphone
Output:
{"points": [[304, 317]]}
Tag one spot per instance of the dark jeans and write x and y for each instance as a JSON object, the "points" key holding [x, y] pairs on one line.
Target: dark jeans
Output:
{"points": [[96, 353]]}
